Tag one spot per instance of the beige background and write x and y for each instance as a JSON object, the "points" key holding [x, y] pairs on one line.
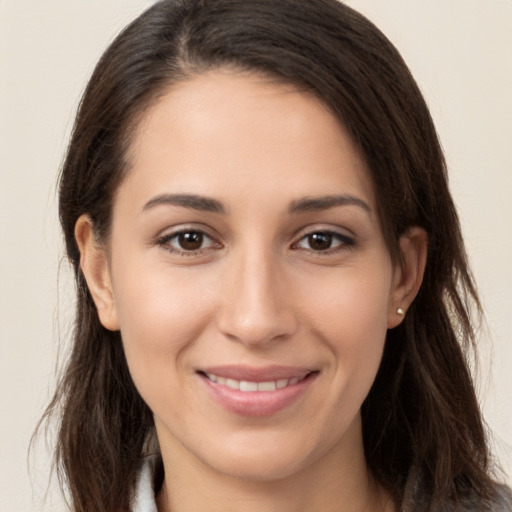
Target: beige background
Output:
{"points": [[460, 52]]}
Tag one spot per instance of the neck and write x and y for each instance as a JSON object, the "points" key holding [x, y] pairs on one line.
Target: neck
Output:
{"points": [[338, 482]]}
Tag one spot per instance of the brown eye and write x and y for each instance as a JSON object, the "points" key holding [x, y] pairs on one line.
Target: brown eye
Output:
{"points": [[320, 241], [190, 241], [187, 242], [324, 241]]}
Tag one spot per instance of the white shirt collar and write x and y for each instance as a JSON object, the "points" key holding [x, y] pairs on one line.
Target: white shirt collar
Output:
{"points": [[143, 499]]}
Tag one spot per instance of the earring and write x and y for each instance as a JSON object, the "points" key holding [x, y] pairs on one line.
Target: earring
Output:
{"points": [[400, 311]]}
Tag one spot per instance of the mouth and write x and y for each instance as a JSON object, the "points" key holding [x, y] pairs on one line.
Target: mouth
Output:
{"points": [[257, 392], [247, 386]]}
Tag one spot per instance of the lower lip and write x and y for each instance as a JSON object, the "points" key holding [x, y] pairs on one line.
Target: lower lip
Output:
{"points": [[258, 403]]}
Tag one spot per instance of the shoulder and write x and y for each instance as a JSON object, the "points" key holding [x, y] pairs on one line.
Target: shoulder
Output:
{"points": [[503, 501]]}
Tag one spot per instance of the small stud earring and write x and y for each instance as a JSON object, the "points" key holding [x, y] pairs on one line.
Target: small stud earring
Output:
{"points": [[400, 311]]}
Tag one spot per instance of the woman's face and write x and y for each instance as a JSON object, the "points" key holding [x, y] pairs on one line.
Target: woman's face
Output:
{"points": [[249, 276]]}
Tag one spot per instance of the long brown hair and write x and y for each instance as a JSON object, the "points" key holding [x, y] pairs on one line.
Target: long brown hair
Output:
{"points": [[423, 432]]}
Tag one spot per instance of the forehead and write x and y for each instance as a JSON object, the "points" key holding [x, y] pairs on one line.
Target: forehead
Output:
{"points": [[226, 128]]}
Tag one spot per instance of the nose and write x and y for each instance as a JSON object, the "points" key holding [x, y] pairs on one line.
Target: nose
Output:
{"points": [[257, 307]]}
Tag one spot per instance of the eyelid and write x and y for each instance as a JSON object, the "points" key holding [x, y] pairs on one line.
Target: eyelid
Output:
{"points": [[170, 231], [169, 234], [347, 238], [323, 228], [335, 236]]}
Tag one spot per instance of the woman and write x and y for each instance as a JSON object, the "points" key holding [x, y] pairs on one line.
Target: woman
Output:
{"points": [[273, 294]]}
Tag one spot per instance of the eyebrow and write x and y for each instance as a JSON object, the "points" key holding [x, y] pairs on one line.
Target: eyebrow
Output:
{"points": [[207, 204], [203, 204], [311, 204]]}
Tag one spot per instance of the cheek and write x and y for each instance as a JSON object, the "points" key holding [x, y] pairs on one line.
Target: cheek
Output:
{"points": [[350, 315], [353, 301], [161, 314]]}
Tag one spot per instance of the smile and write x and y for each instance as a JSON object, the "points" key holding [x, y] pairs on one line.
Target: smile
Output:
{"points": [[251, 387], [257, 392]]}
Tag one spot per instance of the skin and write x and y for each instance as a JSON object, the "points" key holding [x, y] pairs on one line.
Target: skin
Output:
{"points": [[258, 291]]}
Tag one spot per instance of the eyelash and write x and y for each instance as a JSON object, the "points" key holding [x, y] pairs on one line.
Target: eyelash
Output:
{"points": [[165, 242], [345, 242]]}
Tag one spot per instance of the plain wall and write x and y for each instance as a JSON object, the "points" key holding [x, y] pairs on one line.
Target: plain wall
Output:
{"points": [[460, 53]]}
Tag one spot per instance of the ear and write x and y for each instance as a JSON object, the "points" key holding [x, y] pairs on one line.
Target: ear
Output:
{"points": [[95, 268], [409, 275]]}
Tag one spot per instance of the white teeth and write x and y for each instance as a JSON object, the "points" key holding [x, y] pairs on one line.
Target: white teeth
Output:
{"points": [[248, 386], [267, 386], [233, 384], [282, 383]]}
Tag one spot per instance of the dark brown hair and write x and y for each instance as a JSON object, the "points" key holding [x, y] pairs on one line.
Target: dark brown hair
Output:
{"points": [[423, 433]]}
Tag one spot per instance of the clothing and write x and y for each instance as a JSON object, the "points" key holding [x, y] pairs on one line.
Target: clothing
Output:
{"points": [[143, 499]]}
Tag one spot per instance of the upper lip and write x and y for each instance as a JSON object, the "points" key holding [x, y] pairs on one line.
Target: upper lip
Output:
{"points": [[253, 374]]}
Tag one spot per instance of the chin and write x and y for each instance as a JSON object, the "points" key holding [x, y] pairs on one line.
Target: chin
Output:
{"points": [[265, 456], [262, 466]]}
